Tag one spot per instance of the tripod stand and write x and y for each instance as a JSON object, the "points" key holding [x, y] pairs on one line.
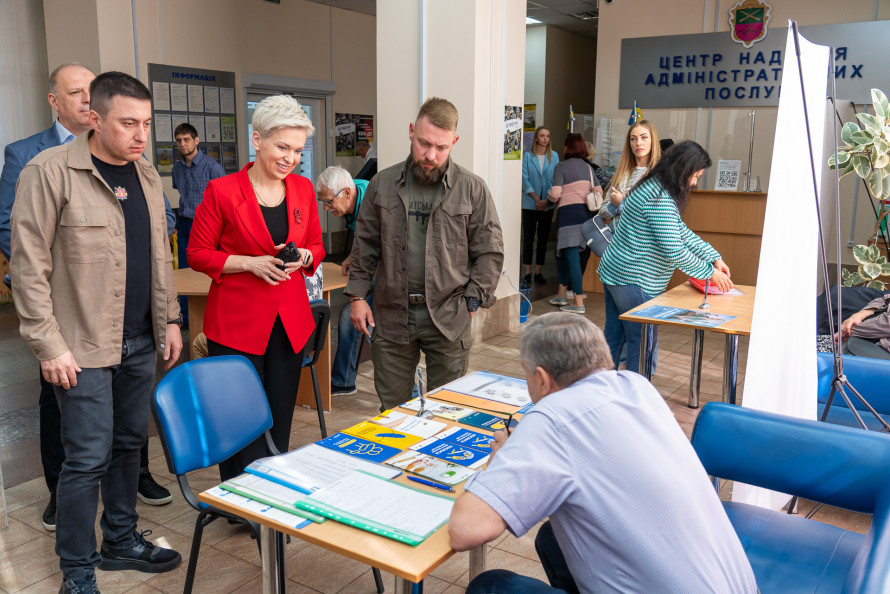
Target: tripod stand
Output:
{"points": [[839, 383]]}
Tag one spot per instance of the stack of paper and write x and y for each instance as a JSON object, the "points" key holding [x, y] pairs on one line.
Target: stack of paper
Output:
{"points": [[432, 468], [383, 507], [382, 435], [269, 492], [416, 426], [491, 386], [452, 412], [361, 448], [312, 467], [457, 454]]}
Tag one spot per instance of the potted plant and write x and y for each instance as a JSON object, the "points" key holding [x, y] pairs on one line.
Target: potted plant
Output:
{"points": [[866, 152]]}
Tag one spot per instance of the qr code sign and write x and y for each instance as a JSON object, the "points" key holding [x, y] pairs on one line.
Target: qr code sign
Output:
{"points": [[728, 179]]}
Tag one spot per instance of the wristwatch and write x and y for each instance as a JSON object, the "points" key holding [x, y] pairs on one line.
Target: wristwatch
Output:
{"points": [[177, 321], [472, 303]]}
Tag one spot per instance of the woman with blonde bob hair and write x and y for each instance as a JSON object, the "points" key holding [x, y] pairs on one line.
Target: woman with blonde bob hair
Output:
{"points": [[257, 306], [641, 152]]}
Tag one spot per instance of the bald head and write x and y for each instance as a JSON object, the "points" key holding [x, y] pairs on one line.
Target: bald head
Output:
{"points": [[69, 95]]}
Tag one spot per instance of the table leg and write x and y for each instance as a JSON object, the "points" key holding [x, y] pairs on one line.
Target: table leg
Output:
{"points": [[272, 552], [197, 307], [647, 346], [477, 561], [698, 344], [403, 586], [730, 367]]}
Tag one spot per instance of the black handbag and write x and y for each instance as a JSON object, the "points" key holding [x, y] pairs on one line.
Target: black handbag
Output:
{"points": [[598, 235]]}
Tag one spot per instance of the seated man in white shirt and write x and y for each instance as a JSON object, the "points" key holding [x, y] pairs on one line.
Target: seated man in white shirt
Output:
{"points": [[630, 506]]}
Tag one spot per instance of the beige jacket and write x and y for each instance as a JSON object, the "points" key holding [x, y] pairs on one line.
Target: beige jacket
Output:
{"points": [[69, 264], [464, 251]]}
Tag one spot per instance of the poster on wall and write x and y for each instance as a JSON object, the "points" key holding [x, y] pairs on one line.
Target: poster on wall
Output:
{"points": [[529, 124], [182, 94], [344, 124], [512, 133], [364, 128]]}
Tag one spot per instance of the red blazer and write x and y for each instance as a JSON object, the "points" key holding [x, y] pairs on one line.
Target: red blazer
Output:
{"points": [[241, 308]]}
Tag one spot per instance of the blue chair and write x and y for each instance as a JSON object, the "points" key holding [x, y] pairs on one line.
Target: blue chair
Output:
{"points": [[205, 411], [838, 466], [870, 377], [321, 315]]}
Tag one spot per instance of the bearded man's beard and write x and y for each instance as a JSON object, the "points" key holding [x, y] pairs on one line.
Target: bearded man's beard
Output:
{"points": [[423, 175]]}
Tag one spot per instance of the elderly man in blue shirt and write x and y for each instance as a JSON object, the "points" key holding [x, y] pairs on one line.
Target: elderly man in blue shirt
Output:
{"points": [[191, 175], [601, 455]]}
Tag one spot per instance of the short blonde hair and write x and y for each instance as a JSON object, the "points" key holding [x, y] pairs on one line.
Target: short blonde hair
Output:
{"points": [[280, 111], [440, 112]]}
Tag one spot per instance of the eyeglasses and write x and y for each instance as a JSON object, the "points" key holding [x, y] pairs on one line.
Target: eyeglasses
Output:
{"points": [[331, 201]]}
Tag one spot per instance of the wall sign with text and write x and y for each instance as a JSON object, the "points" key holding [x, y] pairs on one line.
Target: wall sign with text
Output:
{"points": [[713, 70]]}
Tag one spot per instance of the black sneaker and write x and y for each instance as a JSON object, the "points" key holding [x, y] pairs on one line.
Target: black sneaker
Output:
{"points": [[151, 492], [539, 278], [142, 556], [83, 585], [342, 390], [49, 514]]}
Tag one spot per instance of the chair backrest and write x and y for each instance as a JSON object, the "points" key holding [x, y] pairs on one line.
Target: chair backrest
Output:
{"points": [[840, 466], [209, 409], [321, 315], [870, 377]]}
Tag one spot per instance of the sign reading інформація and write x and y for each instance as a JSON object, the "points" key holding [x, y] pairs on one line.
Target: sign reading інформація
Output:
{"points": [[712, 70]]}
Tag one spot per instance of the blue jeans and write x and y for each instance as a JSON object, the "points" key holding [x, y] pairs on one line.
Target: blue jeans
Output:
{"points": [[104, 424], [620, 299], [568, 269], [501, 581], [183, 231], [345, 365]]}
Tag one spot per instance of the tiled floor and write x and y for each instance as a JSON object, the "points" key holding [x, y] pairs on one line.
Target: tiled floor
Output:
{"points": [[229, 561]]}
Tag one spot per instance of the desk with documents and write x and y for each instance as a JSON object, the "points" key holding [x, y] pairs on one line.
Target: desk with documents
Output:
{"points": [[410, 564]]}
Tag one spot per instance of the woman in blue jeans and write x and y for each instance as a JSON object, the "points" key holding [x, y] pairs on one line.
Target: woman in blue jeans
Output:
{"points": [[650, 241]]}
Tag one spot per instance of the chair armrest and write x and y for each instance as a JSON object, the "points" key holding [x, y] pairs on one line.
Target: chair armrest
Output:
{"points": [[871, 571]]}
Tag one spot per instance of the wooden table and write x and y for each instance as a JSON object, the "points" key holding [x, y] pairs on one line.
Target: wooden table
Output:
{"points": [[195, 286], [409, 564], [687, 297]]}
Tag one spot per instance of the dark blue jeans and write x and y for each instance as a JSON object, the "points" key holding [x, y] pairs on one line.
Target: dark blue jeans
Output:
{"points": [[501, 581], [183, 231], [568, 269], [620, 299], [104, 423], [345, 364]]}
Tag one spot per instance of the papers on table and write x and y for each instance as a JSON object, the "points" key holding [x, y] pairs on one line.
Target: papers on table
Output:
{"points": [[712, 289], [313, 467], [486, 421], [380, 506], [491, 386], [461, 436], [383, 435], [458, 454], [271, 493], [685, 316], [361, 448], [417, 426], [452, 412], [432, 468], [290, 519]]}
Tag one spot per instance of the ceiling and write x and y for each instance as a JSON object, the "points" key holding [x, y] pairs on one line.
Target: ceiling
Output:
{"points": [[556, 13]]}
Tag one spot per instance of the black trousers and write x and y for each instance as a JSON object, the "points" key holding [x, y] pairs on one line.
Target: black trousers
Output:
{"points": [[279, 369], [52, 454], [534, 221]]}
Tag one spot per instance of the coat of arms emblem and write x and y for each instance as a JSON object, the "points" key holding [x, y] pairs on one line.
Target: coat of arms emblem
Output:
{"points": [[748, 20]]}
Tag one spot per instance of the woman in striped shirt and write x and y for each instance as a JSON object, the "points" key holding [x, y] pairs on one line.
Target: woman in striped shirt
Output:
{"points": [[651, 242], [572, 181]]}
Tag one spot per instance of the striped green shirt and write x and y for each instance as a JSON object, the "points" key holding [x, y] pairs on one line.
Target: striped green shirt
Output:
{"points": [[651, 240]]}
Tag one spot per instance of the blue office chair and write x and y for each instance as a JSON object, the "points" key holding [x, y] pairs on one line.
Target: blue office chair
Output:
{"points": [[205, 411], [321, 315], [838, 466], [870, 377]]}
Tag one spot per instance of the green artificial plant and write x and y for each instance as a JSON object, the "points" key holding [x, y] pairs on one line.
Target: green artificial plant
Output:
{"points": [[866, 152]]}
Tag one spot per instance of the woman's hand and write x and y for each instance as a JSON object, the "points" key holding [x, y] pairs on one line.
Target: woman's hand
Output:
{"points": [[721, 279], [615, 197], [851, 322], [542, 205], [722, 267], [266, 267], [306, 258]]}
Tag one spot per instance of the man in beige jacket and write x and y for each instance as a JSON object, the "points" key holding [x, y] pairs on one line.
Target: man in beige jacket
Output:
{"points": [[93, 286]]}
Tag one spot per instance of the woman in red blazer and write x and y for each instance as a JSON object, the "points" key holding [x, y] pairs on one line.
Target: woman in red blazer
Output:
{"points": [[254, 308]]}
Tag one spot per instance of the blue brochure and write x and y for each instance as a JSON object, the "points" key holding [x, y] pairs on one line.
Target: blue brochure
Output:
{"points": [[361, 448], [469, 457], [486, 421], [465, 437]]}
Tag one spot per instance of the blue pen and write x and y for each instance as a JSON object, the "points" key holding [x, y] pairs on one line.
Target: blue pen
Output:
{"points": [[430, 484]]}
